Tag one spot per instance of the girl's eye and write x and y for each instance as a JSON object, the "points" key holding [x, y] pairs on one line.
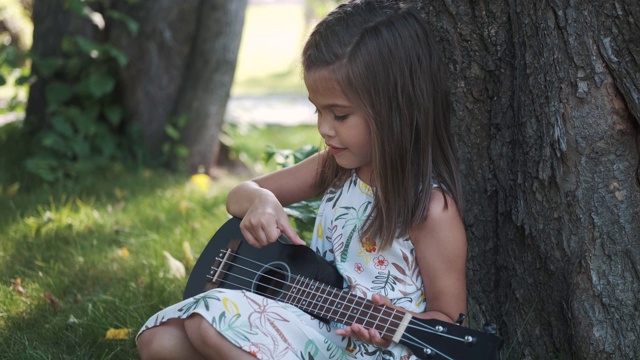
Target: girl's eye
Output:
{"points": [[340, 117]]}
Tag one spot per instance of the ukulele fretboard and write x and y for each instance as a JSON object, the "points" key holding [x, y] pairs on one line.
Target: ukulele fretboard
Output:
{"points": [[343, 307]]}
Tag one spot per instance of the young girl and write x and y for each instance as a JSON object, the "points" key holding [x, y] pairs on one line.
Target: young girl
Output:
{"points": [[391, 206]]}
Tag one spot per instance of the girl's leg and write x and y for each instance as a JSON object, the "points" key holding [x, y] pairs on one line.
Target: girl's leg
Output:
{"points": [[167, 341], [209, 342]]}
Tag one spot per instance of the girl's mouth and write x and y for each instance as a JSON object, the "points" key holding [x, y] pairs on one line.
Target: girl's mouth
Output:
{"points": [[335, 150]]}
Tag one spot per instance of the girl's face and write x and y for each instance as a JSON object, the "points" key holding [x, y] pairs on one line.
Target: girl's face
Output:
{"points": [[343, 126]]}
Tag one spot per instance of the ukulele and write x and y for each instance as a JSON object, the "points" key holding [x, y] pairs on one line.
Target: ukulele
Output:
{"points": [[298, 276]]}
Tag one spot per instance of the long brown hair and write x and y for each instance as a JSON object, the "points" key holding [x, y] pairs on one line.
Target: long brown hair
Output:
{"points": [[385, 59]]}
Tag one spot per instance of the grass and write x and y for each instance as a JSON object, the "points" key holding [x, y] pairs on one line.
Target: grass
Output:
{"points": [[89, 253]]}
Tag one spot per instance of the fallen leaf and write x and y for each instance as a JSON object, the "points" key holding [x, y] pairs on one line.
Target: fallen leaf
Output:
{"points": [[188, 255], [57, 304], [72, 321], [117, 334], [122, 252], [175, 267], [17, 287], [202, 181]]}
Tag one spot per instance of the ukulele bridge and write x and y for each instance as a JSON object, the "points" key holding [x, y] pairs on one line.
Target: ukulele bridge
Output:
{"points": [[220, 265]]}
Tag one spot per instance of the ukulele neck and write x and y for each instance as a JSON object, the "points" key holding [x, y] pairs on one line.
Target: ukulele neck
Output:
{"points": [[343, 307]]}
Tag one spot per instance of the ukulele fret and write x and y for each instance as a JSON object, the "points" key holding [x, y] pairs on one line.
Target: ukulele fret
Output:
{"points": [[293, 296], [346, 308]]}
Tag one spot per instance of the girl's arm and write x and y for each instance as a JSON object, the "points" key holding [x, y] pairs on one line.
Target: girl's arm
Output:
{"points": [[259, 202], [441, 250]]}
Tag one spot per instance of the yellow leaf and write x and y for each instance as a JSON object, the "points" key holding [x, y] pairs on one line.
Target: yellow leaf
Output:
{"points": [[202, 181], [117, 334], [122, 252]]}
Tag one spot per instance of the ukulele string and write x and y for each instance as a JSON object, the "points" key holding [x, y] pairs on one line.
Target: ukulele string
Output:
{"points": [[292, 296], [421, 327], [407, 337], [410, 339], [353, 297], [356, 301]]}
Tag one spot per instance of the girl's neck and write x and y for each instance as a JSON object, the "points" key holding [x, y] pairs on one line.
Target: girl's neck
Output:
{"points": [[365, 174]]}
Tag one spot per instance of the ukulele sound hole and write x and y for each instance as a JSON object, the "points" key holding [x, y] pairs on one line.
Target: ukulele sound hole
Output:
{"points": [[271, 280]]}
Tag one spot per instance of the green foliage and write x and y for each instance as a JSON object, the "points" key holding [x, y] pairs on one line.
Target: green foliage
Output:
{"points": [[15, 74], [286, 157], [173, 149], [247, 142], [88, 123]]}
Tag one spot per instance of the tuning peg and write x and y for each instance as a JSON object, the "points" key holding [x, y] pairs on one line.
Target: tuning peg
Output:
{"points": [[461, 318], [490, 328], [428, 353]]}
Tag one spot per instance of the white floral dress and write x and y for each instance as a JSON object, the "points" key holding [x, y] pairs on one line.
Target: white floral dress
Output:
{"points": [[270, 329]]}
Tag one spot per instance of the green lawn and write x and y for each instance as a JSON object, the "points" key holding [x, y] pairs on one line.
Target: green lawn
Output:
{"points": [[89, 253]]}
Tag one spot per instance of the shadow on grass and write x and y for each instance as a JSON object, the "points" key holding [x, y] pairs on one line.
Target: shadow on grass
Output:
{"points": [[97, 249], [95, 289]]}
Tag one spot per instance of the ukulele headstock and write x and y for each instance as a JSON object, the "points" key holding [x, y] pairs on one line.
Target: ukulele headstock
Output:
{"points": [[434, 339]]}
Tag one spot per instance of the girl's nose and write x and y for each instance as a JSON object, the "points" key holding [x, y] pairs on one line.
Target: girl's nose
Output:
{"points": [[325, 127]]}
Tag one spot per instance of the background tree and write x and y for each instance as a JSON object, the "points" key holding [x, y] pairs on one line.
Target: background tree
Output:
{"points": [[176, 65], [547, 107], [185, 58]]}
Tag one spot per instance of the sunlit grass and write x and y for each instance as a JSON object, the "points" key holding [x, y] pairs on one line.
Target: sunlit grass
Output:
{"points": [[89, 254], [245, 137]]}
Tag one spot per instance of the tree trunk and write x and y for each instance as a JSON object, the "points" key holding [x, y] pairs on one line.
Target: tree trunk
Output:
{"points": [[547, 108], [51, 22], [182, 64], [208, 79]]}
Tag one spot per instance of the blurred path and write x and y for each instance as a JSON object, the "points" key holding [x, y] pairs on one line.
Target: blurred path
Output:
{"points": [[260, 110], [271, 109]]}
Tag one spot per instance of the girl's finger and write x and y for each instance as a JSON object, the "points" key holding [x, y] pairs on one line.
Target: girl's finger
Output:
{"points": [[291, 235]]}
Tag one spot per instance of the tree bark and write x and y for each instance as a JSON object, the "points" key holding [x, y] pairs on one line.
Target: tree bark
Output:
{"points": [[208, 79], [547, 102], [158, 55], [182, 64]]}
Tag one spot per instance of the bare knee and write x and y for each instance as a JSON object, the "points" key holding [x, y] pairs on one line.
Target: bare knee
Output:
{"points": [[200, 331], [148, 344], [144, 342], [213, 345], [166, 341]]}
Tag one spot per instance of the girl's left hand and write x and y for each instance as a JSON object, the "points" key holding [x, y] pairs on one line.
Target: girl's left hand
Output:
{"points": [[370, 336]]}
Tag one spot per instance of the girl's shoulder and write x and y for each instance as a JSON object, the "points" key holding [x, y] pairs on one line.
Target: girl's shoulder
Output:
{"points": [[443, 221]]}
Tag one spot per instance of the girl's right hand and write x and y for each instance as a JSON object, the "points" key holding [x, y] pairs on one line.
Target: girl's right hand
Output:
{"points": [[265, 221]]}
